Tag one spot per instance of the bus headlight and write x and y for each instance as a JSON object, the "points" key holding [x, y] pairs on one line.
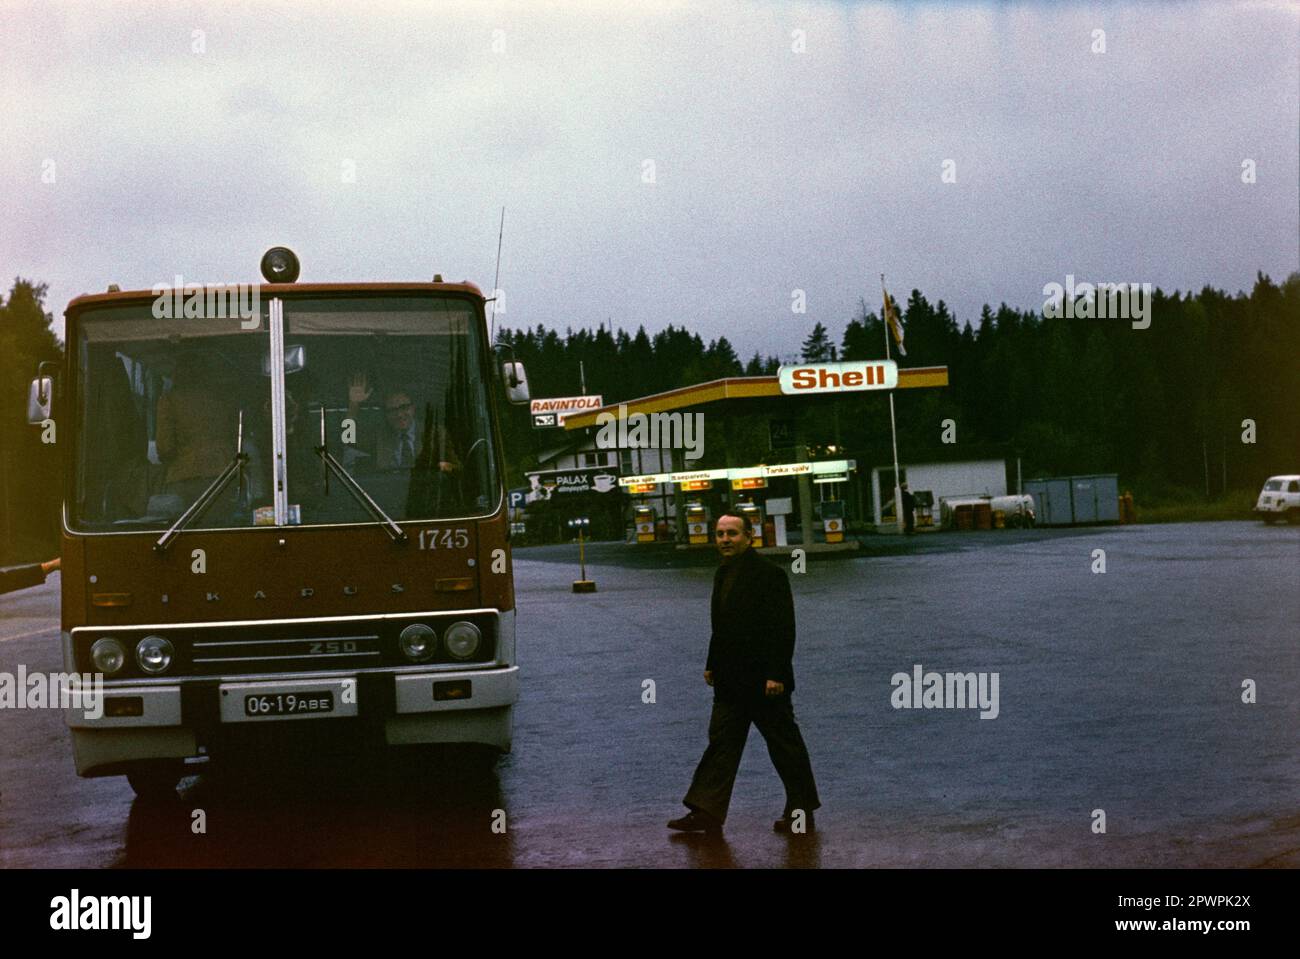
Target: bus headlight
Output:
{"points": [[418, 642], [154, 654], [462, 640], [108, 656]]}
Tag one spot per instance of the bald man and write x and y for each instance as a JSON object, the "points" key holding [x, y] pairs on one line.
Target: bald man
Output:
{"points": [[751, 671]]}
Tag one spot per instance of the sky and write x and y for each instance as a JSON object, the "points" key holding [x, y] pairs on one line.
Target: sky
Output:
{"points": [[685, 163]]}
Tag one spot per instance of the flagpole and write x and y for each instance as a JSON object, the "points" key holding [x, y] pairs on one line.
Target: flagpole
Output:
{"points": [[893, 429]]}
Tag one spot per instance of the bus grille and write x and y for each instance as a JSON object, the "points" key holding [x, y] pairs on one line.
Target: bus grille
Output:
{"points": [[233, 656]]}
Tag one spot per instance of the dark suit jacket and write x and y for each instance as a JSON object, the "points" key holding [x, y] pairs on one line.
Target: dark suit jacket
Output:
{"points": [[753, 632], [378, 447]]}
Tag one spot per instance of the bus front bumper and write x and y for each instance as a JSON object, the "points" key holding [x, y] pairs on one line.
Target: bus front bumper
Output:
{"points": [[158, 720]]}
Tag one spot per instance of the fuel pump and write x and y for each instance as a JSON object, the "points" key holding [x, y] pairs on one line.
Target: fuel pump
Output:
{"points": [[833, 520], [697, 524], [756, 520], [644, 517]]}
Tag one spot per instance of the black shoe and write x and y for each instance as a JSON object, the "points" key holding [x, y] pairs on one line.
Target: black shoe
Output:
{"points": [[786, 825], [696, 821]]}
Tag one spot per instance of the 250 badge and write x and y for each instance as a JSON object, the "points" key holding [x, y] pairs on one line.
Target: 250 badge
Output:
{"points": [[326, 646]]}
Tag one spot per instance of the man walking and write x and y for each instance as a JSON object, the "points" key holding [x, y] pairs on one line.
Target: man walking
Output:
{"points": [[909, 510], [749, 667]]}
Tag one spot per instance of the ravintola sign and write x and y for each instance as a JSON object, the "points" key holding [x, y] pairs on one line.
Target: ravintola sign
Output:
{"points": [[838, 377], [551, 413]]}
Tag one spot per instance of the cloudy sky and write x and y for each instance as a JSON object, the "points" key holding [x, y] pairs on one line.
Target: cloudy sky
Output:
{"points": [[788, 147]]}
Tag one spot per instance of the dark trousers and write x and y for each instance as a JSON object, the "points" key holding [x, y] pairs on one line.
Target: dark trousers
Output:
{"points": [[710, 790]]}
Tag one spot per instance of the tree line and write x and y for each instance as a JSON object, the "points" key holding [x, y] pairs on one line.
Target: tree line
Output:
{"points": [[1205, 396], [30, 484]]}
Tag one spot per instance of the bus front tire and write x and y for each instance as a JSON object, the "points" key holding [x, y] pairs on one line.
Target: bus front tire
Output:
{"points": [[154, 782]]}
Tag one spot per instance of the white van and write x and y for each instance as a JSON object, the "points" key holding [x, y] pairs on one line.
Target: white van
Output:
{"points": [[1279, 499]]}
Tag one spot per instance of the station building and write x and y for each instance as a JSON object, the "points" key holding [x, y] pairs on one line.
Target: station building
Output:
{"points": [[808, 444]]}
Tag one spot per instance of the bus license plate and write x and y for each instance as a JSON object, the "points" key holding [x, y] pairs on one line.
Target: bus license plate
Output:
{"points": [[287, 700], [289, 704]]}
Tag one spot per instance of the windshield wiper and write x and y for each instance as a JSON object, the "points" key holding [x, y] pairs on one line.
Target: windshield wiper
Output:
{"points": [[209, 495], [396, 532]]}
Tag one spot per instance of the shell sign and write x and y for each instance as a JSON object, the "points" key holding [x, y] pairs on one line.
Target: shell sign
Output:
{"points": [[838, 377]]}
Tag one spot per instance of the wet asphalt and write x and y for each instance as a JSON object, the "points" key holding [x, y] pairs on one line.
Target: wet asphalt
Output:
{"points": [[1118, 691]]}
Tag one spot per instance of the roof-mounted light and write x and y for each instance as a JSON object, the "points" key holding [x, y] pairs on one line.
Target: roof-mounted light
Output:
{"points": [[279, 265]]}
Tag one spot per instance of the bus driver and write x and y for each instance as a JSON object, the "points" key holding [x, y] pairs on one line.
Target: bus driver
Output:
{"points": [[398, 444]]}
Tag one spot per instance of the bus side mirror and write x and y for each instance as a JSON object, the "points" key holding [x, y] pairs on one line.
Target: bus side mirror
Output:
{"points": [[39, 398], [516, 381]]}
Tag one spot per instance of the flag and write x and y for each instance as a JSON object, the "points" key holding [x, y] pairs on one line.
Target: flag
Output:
{"points": [[892, 319]]}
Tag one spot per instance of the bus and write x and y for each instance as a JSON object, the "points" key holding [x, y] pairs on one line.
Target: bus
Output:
{"points": [[284, 510]]}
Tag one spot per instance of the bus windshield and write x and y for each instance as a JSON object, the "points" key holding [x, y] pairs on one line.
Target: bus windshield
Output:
{"points": [[395, 382]]}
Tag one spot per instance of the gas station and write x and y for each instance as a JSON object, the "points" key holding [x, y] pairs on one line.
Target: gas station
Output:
{"points": [[777, 482]]}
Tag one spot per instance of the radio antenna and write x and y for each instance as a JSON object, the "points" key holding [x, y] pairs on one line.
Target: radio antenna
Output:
{"points": [[496, 281]]}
